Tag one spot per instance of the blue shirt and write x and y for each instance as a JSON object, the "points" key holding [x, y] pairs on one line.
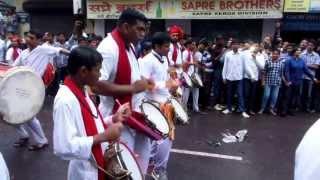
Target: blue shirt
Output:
{"points": [[295, 69]]}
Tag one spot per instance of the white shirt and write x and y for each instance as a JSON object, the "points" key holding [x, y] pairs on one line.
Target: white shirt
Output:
{"points": [[233, 68], [4, 173], [185, 55], [2, 50], [152, 68], [307, 160], [261, 59], [70, 141], [179, 55], [9, 55], [38, 58], [251, 70], [109, 50]]}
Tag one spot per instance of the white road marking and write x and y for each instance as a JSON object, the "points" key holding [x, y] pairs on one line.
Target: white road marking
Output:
{"points": [[204, 154]]}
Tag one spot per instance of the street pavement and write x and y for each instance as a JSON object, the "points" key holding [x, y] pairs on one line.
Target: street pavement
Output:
{"points": [[266, 154]]}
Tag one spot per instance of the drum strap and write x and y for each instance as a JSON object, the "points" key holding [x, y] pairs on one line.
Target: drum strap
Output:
{"points": [[175, 53], [89, 123]]}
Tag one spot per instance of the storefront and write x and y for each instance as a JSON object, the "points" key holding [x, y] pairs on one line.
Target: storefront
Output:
{"points": [[50, 15], [301, 20], [244, 19]]}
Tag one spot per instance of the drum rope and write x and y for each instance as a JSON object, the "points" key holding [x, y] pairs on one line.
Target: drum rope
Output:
{"points": [[95, 164]]}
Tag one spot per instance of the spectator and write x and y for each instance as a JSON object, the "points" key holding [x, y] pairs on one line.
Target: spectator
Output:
{"points": [[232, 74], [14, 51], [312, 61], [272, 80]]}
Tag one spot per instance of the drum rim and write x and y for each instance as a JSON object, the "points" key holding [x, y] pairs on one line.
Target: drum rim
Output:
{"points": [[18, 69], [148, 102], [197, 78], [183, 107], [120, 159], [187, 77]]}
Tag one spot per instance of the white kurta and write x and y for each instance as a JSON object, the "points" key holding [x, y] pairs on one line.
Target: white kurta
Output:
{"points": [[9, 55], [152, 68], [307, 160], [179, 55], [4, 173], [38, 58], [109, 50], [70, 141]]}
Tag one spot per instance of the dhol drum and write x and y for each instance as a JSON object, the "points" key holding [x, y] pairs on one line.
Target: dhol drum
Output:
{"points": [[121, 163], [196, 80], [181, 115], [22, 94], [154, 118], [186, 80]]}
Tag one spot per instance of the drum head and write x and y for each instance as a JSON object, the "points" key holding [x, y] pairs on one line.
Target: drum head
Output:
{"points": [[179, 110], [21, 95], [129, 162], [155, 116], [187, 79]]}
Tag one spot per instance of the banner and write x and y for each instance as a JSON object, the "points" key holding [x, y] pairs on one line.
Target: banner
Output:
{"points": [[188, 9], [301, 22], [303, 6]]}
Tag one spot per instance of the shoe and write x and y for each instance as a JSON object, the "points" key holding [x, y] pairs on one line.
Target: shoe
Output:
{"points": [[261, 111], [222, 106], [217, 107], [252, 113], [21, 142], [201, 112], [245, 115], [37, 147], [226, 111], [272, 112]]}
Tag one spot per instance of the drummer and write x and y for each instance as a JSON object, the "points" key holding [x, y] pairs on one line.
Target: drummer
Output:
{"points": [[37, 58], [121, 78], [191, 62], [155, 66], [175, 51], [80, 134]]}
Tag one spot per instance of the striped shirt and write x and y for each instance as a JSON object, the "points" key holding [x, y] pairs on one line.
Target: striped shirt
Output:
{"points": [[310, 59]]}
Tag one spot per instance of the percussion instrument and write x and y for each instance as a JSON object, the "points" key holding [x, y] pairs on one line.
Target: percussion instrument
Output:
{"points": [[186, 80], [121, 163], [196, 80], [150, 122], [155, 119], [181, 115], [22, 94]]}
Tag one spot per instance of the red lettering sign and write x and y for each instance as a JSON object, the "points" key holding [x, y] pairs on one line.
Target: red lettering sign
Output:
{"points": [[197, 5]]}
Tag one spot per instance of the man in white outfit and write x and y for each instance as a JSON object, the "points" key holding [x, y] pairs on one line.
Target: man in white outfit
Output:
{"points": [[37, 58], [80, 134], [121, 78], [191, 61], [155, 66]]}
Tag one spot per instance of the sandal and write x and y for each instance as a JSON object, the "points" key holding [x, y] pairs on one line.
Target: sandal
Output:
{"points": [[21, 142], [37, 147]]}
